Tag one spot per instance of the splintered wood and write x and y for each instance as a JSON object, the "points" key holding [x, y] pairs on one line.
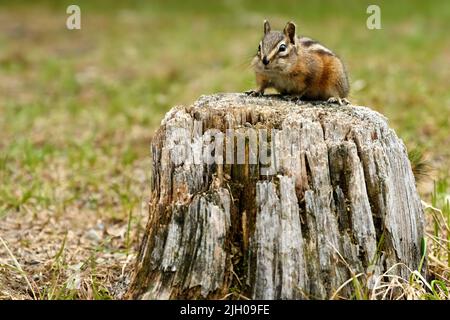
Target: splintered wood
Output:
{"points": [[264, 198]]}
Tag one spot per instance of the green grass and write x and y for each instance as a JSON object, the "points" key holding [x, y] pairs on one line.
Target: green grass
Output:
{"points": [[78, 108]]}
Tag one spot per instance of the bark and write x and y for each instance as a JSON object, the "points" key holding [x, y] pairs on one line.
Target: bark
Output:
{"points": [[317, 193]]}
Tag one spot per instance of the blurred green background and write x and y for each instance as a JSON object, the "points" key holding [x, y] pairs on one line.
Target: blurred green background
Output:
{"points": [[78, 107]]}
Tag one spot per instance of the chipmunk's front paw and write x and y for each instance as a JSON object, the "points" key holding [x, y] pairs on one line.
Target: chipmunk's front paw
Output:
{"points": [[253, 93], [339, 101]]}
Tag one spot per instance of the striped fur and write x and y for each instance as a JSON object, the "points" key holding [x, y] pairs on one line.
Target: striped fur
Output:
{"points": [[306, 68]]}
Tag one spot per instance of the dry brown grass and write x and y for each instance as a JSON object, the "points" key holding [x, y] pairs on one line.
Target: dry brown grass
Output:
{"points": [[78, 109]]}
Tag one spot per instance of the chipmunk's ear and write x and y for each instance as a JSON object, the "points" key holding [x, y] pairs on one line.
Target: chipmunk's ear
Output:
{"points": [[289, 31], [266, 27]]}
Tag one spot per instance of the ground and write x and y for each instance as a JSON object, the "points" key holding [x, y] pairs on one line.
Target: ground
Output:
{"points": [[78, 110]]}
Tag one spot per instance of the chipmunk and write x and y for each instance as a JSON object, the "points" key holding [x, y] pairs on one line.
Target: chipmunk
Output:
{"points": [[299, 67]]}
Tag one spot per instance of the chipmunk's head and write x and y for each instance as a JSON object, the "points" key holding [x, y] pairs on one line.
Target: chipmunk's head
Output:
{"points": [[277, 50]]}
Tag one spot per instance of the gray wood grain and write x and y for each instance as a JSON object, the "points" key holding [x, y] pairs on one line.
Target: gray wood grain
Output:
{"points": [[294, 220]]}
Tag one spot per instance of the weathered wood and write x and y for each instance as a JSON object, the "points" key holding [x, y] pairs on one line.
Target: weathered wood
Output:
{"points": [[291, 215]]}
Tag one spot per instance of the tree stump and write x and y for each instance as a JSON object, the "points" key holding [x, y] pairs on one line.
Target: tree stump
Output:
{"points": [[271, 199]]}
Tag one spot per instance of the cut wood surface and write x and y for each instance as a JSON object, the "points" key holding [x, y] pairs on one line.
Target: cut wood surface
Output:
{"points": [[266, 198]]}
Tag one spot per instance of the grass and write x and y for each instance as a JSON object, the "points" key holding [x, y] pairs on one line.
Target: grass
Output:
{"points": [[435, 285], [78, 110]]}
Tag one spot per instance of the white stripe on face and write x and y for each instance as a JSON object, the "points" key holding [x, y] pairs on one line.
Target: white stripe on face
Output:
{"points": [[276, 50]]}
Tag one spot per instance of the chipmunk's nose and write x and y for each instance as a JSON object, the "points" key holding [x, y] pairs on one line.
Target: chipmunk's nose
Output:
{"points": [[265, 61]]}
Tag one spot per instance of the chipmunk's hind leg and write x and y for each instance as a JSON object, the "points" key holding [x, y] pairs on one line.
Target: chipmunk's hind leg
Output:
{"points": [[254, 93], [293, 97], [339, 101]]}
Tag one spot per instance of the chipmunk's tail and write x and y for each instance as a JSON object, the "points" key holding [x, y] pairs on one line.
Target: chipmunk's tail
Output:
{"points": [[420, 165]]}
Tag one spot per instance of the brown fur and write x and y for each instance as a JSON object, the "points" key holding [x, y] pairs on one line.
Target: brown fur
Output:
{"points": [[305, 69]]}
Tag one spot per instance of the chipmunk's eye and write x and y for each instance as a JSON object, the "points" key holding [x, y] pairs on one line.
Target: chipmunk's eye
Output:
{"points": [[282, 48], [259, 48]]}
